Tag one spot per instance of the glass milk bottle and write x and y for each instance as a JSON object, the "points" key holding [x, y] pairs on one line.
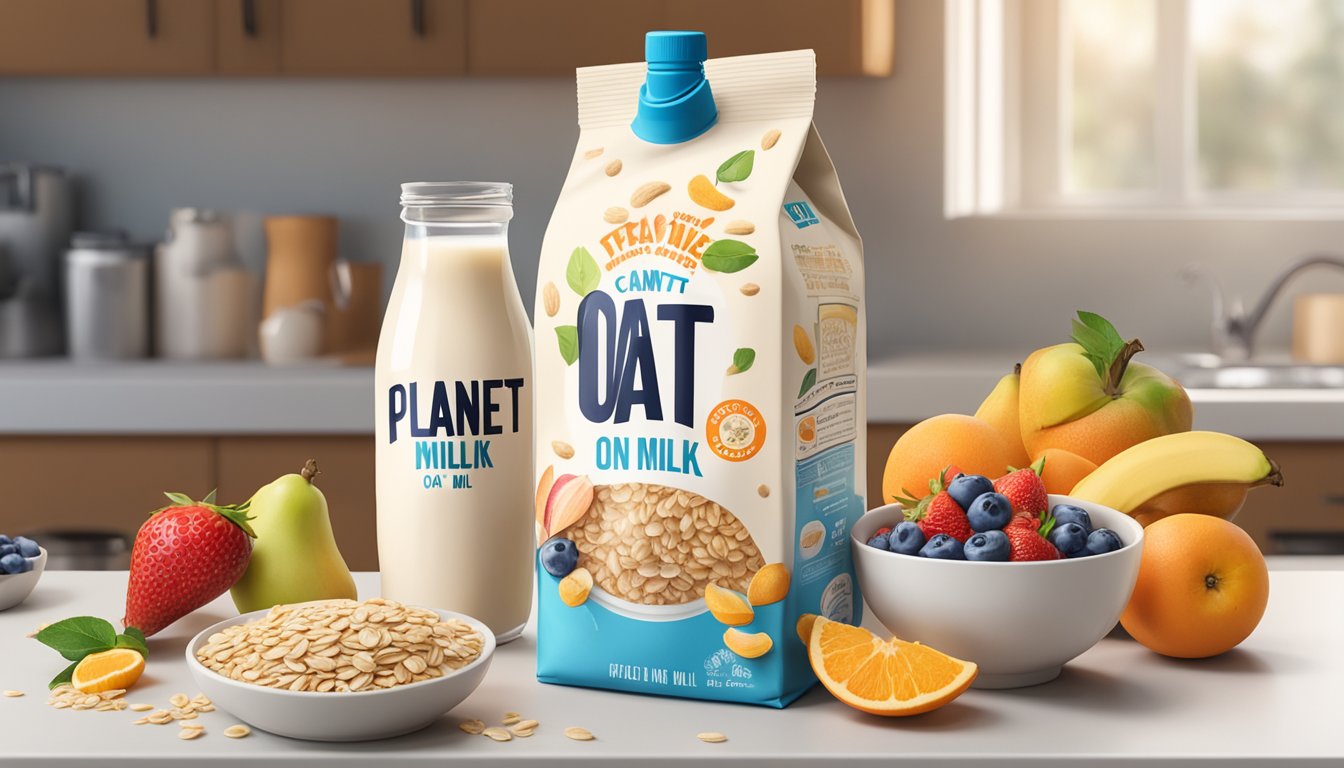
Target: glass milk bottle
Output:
{"points": [[453, 400]]}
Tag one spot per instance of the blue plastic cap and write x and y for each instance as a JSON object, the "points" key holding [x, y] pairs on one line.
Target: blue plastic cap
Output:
{"points": [[661, 47], [675, 102]]}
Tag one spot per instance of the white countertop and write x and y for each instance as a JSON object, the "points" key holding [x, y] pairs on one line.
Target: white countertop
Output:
{"points": [[1271, 701], [53, 397]]}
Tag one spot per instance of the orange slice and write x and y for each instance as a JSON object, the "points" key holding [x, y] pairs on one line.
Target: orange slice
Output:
{"points": [[892, 678], [109, 670]]}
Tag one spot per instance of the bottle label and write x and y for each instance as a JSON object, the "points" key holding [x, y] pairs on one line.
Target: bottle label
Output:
{"points": [[452, 425]]}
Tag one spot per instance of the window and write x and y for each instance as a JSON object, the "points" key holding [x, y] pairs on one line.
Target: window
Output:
{"points": [[1152, 107]]}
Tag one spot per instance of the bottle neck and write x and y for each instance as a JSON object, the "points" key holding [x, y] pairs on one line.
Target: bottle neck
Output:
{"points": [[485, 230]]}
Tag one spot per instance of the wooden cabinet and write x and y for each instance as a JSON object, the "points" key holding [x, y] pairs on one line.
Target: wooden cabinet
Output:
{"points": [[106, 37], [373, 37], [420, 37], [851, 37], [97, 482], [247, 37], [1305, 516], [346, 480], [546, 37]]}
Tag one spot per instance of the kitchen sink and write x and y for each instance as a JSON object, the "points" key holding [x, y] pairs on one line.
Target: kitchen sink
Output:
{"points": [[1265, 377], [1208, 372]]}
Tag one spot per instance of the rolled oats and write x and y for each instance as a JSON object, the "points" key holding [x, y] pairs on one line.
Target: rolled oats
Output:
{"points": [[627, 543], [579, 734], [336, 646]]}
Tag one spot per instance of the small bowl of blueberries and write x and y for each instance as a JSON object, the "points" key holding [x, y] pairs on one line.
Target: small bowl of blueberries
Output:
{"points": [[968, 572], [21, 564]]}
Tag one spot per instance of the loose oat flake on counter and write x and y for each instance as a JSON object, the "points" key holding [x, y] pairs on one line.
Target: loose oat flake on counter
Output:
{"points": [[699, 368]]}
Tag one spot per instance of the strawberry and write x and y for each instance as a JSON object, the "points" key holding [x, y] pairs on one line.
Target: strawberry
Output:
{"points": [[1025, 489], [1026, 538], [185, 555], [938, 513]]}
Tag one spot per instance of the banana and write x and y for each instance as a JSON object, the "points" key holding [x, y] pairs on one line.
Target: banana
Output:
{"points": [[1203, 472]]}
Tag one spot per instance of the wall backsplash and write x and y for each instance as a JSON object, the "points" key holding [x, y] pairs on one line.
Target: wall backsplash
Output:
{"points": [[141, 147]]}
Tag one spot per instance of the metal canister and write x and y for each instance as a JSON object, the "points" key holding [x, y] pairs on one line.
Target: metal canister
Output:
{"points": [[106, 297]]}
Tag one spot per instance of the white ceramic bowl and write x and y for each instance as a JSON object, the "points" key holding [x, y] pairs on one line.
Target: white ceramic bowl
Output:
{"points": [[361, 716], [15, 587], [1020, 622]]}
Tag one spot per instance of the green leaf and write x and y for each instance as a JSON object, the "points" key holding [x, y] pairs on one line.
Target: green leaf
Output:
{"points": [[582, 273], [135, 640], [728, 256], [1100, 341], [809, 381], [78, 637], [737, 167], [742, 360], [210, 497], [180, 499], [568, 338], [63, 677]]}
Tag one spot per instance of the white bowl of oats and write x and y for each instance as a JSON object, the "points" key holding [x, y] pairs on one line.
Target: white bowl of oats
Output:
{"points": [[341, 670]]}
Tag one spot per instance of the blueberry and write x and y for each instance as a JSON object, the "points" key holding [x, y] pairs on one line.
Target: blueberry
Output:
{"points": [[559, 556], [907, 539], [880, 541], [1103, 540], [1067, 513], [27, 547], [988, 545], [943, 547], [989, 512], [1069, 538], [5, 540], [964, 489], [8, 549], [14, 563]]}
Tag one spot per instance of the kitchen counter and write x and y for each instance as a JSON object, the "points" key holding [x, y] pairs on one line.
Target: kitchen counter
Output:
{"points": [[54, 397], [1269, 702]]}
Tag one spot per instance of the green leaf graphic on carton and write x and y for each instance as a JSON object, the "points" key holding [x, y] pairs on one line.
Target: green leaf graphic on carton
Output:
{"points": [[737, 167], [742, 360], [728, 256], [582, 273], [809, 381], [568, 338]]}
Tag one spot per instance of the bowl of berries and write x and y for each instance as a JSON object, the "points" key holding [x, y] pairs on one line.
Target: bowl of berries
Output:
{"points": [[1000, 573], [21, 565]]}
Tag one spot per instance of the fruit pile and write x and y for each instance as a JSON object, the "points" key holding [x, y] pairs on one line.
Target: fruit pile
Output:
{"points": [[17, 554], [1003, 520], [1098, 426]]}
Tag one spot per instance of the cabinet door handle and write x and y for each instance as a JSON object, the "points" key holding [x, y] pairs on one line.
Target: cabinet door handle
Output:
{"points": [[250, 18], [152, 18], [418, 17]]}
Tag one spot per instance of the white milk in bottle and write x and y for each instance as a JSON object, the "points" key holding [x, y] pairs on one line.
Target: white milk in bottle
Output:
{"points": [[453, 400]]}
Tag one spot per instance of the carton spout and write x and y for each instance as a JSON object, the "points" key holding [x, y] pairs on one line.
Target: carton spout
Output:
{"points": [[675, 102]]}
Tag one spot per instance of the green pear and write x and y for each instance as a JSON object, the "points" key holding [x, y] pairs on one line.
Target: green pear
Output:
{"points": [[294, 557]]}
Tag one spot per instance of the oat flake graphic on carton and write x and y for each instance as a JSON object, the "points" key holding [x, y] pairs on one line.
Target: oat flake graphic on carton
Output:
{"points": [[700, 358]]}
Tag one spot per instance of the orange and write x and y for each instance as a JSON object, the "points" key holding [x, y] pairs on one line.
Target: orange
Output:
{"points": [[1202, 589], [118, 668], [892, 678], [925, 449], [1063, 469]]}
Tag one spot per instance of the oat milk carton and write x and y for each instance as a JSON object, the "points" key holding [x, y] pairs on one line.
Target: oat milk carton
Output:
{"points": [[700, 366]]}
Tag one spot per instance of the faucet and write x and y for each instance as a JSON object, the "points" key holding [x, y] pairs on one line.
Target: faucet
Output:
{"points": [[1233, 327]]}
